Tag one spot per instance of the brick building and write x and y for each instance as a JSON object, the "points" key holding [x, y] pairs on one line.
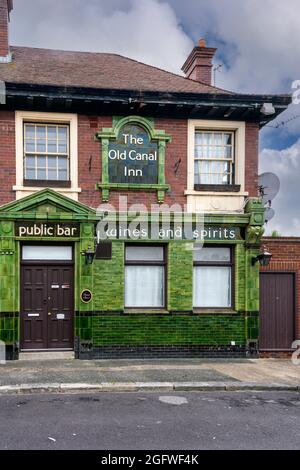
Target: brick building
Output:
{"points": [[84, 137]]}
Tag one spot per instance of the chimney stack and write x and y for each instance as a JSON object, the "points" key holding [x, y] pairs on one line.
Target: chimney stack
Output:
{"points": [[5, 8], [198, 65]]}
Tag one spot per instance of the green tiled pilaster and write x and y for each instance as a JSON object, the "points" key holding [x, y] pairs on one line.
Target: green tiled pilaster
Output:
{"points": [[109, 280], [240, 277], [252, 281], [180, 276]]}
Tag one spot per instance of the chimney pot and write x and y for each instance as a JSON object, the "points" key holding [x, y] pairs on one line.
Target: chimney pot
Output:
{"points": [[198, 65], [202, 42]]}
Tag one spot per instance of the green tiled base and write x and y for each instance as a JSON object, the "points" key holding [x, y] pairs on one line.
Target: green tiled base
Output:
{"points": [[169, 329], [9, 328]]}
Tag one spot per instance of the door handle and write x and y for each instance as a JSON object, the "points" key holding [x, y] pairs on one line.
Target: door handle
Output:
{"points": [[49, 314]]}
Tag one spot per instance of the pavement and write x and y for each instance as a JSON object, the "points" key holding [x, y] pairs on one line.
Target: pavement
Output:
{"points": [[77, 376]]}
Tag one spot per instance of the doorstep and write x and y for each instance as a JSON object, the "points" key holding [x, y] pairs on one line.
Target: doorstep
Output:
{"points": [[46, 355]]}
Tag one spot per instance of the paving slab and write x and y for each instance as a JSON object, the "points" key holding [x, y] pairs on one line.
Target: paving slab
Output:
{"points": [[180, 374]]}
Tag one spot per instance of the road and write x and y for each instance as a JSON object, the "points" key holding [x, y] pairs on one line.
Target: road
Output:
{"points": [[166, 421]]}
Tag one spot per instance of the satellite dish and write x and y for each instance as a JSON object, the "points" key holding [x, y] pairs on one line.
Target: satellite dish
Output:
{"points": [[269, 214], [268, 184]]}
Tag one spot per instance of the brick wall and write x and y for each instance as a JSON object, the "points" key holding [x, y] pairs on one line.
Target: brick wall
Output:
{"points": [[7, 156], [4, 49], [89, 166], [176, 153], [286, 257], [251, 163], [90, 163]]}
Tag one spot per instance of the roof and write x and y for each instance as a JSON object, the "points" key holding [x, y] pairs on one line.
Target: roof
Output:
{"points": [[94, 70]]}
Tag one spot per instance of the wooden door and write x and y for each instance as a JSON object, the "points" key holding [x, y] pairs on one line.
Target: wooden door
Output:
{"points": [[277, 311], [47, 307]]}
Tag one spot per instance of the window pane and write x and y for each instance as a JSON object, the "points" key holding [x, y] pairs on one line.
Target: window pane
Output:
{"points": [[52, 147], [227, 139], [198, 138], [207, 138], [212, 286], [62, 148], [218, 138], [63, 133], [41, 146], [62, 163], [52, 162], [29, 131], [213, 146], [211, 254], [41, 132], [41, 162], [63, 175], [30, 162], [144, 253], [52, 175], [46, 140], [30, 146], [228, 152], [32, 252], [199, 151], [144, 286], [52, 133], [30, 174], [41, 174]]}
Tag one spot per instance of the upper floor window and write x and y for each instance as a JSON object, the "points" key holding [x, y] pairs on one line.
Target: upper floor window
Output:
{"points": [[46, 153], [214, 158]]}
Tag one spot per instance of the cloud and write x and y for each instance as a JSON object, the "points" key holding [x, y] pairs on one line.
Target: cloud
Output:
{"points": [[258, 45], [259, 41], [144, 30], [286, 165]]}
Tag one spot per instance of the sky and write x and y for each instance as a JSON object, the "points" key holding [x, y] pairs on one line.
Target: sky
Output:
{"points": [[258, 45]]}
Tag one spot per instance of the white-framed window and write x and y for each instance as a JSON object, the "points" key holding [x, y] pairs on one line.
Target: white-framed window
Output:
{"points": [[213, 157], [216, 156], [213, 270], [46, 153], [144, 276]]}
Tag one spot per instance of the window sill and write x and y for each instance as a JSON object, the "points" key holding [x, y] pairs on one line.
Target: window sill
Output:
{"points": [[192, 192], [220, 311], [145, 311], [223, 188], [37, 188], [47, 184]]}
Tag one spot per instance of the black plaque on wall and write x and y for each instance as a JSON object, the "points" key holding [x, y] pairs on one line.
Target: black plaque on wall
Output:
{"points": [[86, 296], [104, 250], [133, 157]]}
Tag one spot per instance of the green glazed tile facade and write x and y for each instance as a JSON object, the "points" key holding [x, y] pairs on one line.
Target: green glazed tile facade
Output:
{"points": [[171, 329], [104, 322]]}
